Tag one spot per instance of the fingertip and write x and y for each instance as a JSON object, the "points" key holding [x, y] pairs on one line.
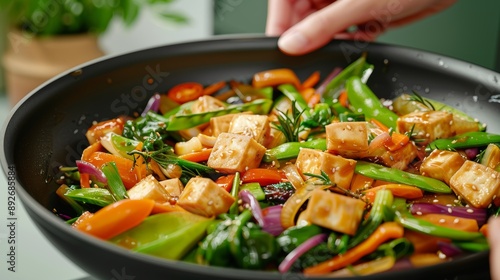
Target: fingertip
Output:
{"points": [[294, 42]]}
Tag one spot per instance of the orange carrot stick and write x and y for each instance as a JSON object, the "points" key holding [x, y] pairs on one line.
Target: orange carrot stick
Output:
{"points": [[398, 190], [386, 231], [312, 80], [199, 156]]}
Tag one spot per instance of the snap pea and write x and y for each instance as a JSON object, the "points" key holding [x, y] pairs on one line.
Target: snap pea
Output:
{"points": [[96, 196], [354, 69], [180, 122], [379, 172], [235, 189], [115, 183], [363, 100], [291, 149], [167, 235], [463, 141], [407, 220], [398, 248]]}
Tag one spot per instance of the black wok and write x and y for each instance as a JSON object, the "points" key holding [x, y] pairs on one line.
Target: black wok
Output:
{"points": [[46, 130]]}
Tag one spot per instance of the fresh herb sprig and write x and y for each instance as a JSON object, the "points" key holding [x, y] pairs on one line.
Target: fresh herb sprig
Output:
{"points": [[290, 125]]}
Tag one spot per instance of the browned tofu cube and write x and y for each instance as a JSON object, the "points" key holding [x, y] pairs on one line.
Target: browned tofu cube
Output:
{"points": [[255, 126], [340, 170], [476, 184], [235, 153], [398, 159], [173, 186], [334, 211], [427, 126], [347, 138], [207, 103], [441, 165], [204, 197], [149, 188], [461, 125], [222, 123]]}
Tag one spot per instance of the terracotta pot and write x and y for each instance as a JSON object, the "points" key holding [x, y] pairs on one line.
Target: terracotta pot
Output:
{"points": [[30, 61]]}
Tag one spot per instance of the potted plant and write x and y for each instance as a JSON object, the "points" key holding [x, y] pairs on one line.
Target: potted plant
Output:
{"points": [[47, 37]]}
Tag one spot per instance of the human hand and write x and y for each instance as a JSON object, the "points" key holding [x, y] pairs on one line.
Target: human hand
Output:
{"points": [[305, 25], [494, 240]]}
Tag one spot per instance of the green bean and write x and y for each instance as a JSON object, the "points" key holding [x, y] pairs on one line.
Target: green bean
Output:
{"points": [[95, 196], [463, 141], [291, 149]]}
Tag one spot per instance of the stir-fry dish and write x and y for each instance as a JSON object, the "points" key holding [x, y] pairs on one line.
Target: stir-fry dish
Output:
{"points": [[318, 176]]}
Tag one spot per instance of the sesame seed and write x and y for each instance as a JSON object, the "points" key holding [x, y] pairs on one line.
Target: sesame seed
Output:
{"points": [[470, 211], [456, 221], [494, 176], [435, 200], [419, 213], [450, 210], [441, 221]]}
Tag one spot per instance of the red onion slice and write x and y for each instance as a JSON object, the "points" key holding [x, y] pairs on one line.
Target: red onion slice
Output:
{"points": [[272, 220], [321, 88], [88, 168], [248, 198], [152, 105], [300, 250], [448, 249]]}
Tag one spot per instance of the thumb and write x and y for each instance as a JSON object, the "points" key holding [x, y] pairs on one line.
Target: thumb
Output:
{"points": [[494, 240], [320, 27]]}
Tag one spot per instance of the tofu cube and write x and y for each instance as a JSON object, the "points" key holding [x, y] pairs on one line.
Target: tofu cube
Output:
{"points": [[149, 188], [427, 126], [204, 197], [462, 125], [347, 138], [334, 211], [255, 126], [476, 184], [340, 170], [235, 153], [173, 186], [186, 147], [491, 156], [207, 103], [222, 123], [441, 165]]}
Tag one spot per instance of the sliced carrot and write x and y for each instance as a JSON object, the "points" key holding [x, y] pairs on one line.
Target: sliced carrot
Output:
{"points": [[185, 92], [398, 190], [343, 100], [125, 167], [386, 231], [87, 152], [360, 182], [397, 141], [213, 88], [84, 216], [275, 77], [379, 125], [312, 80], [453, 222], [424, 243], [116, 218], [84, 180], [263, 176], [98, 130], [226, 182], [425, 259], [199, 156], [307, 93], [484, 230]]}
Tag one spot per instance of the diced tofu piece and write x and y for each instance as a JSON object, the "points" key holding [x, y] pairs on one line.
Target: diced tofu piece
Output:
{"points": [[360, 182], [427, 126], [235, 153], [173, 186], [476, 184], [190, 146], [221, 124], [206, 103], [491, 156], [461, 125], [398, 159], [149, 188], [441, 165], [334, 211], [347, 138], [255, 126], [204, 197], [340, 170]]}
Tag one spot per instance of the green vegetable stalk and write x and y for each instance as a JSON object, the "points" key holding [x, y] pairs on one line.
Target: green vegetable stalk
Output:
{"points": [[463, 141], [363, 100], [96, 196], [379, 172], [115, 183], [291, 149]]}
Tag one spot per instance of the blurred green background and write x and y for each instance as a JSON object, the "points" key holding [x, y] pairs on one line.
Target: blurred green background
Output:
{"points": [[469, 30]]}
